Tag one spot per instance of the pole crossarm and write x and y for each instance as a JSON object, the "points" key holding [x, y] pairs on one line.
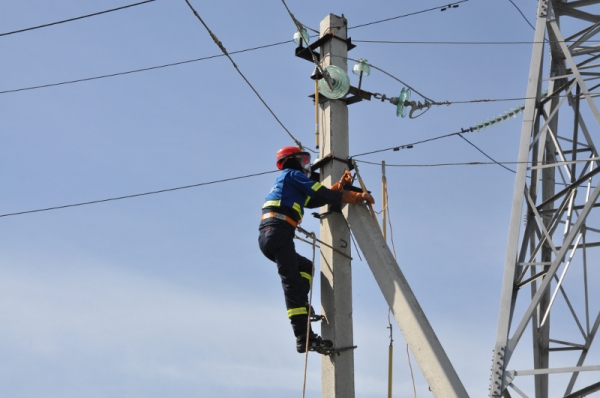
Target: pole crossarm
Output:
{"points": [[551, 256]]}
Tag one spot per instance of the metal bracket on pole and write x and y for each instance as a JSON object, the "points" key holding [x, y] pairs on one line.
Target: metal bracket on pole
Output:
{"points": [[305, 52], [330, 157], [358, 95]]}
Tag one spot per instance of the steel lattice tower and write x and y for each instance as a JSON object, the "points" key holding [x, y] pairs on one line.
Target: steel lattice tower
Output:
{"points": [[551, 285]]}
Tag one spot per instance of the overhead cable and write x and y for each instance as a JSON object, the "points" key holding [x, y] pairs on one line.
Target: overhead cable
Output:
{"points": [[523, 15], [468, 42], [76, 18], [444, 7], [137, 194], [427, 165], [142, 69], [208, 57], [405, 146], [486, 155], [220, 45], [408, 146], [386, 73], [299, 25]]}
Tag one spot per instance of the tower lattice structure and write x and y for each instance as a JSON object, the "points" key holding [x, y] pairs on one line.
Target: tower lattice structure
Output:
{"points": [[550, 300]]}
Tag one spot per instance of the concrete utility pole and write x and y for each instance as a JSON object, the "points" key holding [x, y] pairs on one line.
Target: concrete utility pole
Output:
{"points": [[546, 270], [336, 273]]}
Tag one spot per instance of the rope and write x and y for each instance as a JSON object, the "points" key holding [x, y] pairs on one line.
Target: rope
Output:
{"points": [[387, 204], [220, 45], [411, 371], [390, 356], [314, 244], [364, 188]]}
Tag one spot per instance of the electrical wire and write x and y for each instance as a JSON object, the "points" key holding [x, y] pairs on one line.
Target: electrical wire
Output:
{"points": [[408, 146], [486, 155], [138, 194], [75, 19], [408, 15], [143, 69], [220, 45], [440, 164], [267, 46], [405, 146], [467, 42], [388, 74], [433, 102], [299, 25], [169, 64], [523, 15]]}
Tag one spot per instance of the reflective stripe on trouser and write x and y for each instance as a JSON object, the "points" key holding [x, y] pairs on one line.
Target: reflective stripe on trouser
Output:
{"points": [[277, 244], [297, 311]]}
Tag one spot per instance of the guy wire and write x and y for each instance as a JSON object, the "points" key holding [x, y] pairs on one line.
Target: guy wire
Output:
{"points": [[220, 45]]}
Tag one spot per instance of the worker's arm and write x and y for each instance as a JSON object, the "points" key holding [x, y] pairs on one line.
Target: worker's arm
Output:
{"points": [[326, 196]]}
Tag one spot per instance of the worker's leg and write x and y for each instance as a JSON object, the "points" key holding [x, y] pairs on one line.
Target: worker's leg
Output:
{"points": [[277, 244]]}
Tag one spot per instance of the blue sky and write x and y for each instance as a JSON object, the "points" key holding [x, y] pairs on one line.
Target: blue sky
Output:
{"points": [[168, 294]]}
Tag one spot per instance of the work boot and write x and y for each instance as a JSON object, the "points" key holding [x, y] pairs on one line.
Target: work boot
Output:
{"points": [[315, 343]]}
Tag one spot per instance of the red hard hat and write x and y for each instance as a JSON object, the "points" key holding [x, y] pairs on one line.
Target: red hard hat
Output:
{"points": [[284, 152]]}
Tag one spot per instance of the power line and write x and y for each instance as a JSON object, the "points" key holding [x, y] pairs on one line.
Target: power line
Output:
{"points": [[386, 73], [444, 7], [486, 155], [405, 146], [220, 45], [75, 19], [199, 59], [523, 15], [439, 164], [408, 146], [298, 24], [141, 69], [137, 194], [443, 102], [468, 42]]}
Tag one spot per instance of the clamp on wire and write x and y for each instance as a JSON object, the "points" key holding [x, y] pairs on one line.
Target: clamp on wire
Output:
{"points": [[414, 105]]}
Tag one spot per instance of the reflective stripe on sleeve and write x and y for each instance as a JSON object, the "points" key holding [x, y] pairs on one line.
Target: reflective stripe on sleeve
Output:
{"points": [[272, 203], [316, 186], [307, 276], [297, 311]]}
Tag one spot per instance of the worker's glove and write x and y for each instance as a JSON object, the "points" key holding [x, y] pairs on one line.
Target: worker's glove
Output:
{"points": [[346, 179], [357, 197]]}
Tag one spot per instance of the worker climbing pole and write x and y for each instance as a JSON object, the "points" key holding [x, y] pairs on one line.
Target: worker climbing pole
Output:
{"points": [[281, 213]]}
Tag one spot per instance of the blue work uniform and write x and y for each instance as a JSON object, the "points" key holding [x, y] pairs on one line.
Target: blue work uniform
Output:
{"points": [[282, 211]]}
